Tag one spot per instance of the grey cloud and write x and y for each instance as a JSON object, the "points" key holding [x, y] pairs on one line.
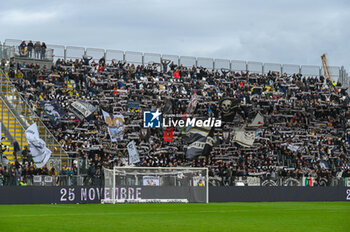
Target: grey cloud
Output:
{"points": [[269, 31]]}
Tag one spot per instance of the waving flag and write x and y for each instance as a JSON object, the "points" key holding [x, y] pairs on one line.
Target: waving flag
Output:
{"points": [[115, 126], [197, 140], [41, 154]]}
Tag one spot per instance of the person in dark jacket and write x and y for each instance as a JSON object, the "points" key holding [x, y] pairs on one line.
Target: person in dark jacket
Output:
{"points": [[22, 48], [86, 60], [16, 148], [2, 150], [26, 156], [102, 61], [43, 50], [30, 48], [91, 174], [63, 177], [37, 50]]}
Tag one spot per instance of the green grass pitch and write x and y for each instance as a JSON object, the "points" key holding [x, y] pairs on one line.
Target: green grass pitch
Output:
{"points": [[278, 216]]}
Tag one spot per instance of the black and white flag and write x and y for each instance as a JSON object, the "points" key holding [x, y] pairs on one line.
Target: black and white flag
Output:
{"points": [[82, 109], [228, 108], [197, 139], [244, 137], [53, 110], [41, 154], [133, 153]]}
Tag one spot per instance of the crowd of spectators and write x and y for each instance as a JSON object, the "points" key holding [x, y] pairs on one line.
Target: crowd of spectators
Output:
{"points": [[33, 50], [306, 119]]}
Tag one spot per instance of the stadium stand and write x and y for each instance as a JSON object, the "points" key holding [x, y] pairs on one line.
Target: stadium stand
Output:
{"points": [[305, 131]]}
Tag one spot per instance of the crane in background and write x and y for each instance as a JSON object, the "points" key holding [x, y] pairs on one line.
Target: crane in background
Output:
{"points": [[325, 67], [327, 75]]}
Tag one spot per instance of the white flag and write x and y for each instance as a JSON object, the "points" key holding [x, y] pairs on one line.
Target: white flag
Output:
{"points": [[293, 147], [244, 137], [41, 154], [133, 154], [258, 120]]}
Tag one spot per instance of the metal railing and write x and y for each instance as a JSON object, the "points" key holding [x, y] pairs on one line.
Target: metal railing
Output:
{"points": [[17, 122], [24, 114], [72, 52], [50, 180], [279, 181], [13, 45], [6, 52], [92, 180]]}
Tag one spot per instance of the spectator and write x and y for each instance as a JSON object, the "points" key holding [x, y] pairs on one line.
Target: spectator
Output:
{"points": [[19, 77], [63, 176], [2, 150], [91, 174], [1, 175], [30, 175], [22, 48], [86, 60], [12, 176], [16, 148], [165, 64], [26, 156], [6, 175], [30, 48], [18, 175], [3, 64], [70, 175], [102, 61], [43, 51], [22, 182], [305, 128], [37, 50]]}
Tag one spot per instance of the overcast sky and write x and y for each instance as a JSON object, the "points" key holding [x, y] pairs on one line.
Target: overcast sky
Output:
{"points": [[278, 31]]}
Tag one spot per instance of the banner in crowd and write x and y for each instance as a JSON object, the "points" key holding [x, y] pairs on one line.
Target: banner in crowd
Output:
{"points": [[347, 182], [324, 164], [197, 139], [53, 110], [244, 137], [133, 154], [228, 108], [115, 125], [133, 104], [257, 121], [253, 181], [192, 105], [82, 109], [0, 132], [226, 135], [308, 181], [150, 181], [168, 107], [144, 134], [293, 147], [210, 141], [41, 154], [168, 134]]}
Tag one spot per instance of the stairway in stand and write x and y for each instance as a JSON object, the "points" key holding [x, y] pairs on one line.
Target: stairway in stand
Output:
{"points": [[16, 116], [16, 131]]}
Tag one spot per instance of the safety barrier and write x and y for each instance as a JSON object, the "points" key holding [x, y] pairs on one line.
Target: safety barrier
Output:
{"points": [[72, 52]]}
